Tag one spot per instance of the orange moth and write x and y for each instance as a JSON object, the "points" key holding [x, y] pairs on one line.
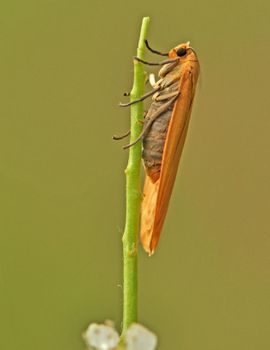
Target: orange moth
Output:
{"points": [[164, 133]]}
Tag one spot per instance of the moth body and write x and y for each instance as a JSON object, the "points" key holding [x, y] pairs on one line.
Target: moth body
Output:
{"points": [[166, 123]]}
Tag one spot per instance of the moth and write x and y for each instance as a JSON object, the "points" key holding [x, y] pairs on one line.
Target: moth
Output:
{"points": [[163, 135]]}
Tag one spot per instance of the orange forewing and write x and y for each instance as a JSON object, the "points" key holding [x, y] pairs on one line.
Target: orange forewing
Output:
{"points": [[156, 195]]}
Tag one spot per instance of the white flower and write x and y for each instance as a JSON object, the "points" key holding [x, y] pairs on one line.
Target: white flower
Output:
{"points": [[138, 337], [101, 337], [105, 337]]}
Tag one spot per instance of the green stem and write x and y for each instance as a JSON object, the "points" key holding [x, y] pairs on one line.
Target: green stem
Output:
{"points": [[133, 192]]}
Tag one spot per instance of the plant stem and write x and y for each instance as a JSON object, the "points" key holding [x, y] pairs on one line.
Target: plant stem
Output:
{"points": [[133, 192]]}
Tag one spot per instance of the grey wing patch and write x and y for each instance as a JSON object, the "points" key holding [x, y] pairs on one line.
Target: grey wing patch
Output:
{"points": [[157, 122]]}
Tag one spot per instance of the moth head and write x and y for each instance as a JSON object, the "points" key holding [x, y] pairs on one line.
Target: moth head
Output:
{"points": [[184, 52]]}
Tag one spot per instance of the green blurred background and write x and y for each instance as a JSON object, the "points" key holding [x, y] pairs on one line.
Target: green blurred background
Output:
{"points": [[63, 68]]}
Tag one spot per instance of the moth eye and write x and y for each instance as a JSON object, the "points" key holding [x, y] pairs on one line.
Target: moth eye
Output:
{"points": [[181, 52]]}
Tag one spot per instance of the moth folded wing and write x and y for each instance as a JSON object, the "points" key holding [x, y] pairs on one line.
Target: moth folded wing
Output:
{"points": [[177, 132], [163, 196], [150, 192]]}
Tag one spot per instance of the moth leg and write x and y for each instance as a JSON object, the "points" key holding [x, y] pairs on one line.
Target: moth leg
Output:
{"points": [[170, 60], [155, 115], [167, 68], [120, 137], [166, 96], [147, 80], [148, 94], [155, 51]]}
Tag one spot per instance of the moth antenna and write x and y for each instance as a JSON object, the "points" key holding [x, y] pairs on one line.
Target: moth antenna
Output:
{"points": [[155, 51]]}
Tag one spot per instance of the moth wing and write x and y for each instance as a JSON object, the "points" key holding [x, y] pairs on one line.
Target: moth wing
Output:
{"points": [[150, 192], [162, 189]]}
